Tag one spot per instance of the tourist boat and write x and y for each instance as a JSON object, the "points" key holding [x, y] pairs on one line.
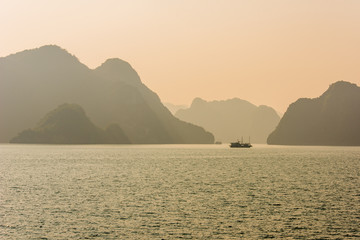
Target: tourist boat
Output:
{"points": [[241, 144]]}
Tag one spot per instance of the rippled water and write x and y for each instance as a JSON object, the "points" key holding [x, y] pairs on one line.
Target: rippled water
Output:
{"points": [[179, 191]]}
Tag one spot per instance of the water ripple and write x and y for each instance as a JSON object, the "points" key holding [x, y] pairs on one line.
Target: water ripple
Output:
{"points": [[179, 192]]}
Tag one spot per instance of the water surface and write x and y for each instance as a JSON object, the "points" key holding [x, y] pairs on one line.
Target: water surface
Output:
{"points": [[179, 192]]}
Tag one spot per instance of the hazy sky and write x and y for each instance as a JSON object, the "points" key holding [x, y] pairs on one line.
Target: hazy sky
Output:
{"points": [[266, 52]]}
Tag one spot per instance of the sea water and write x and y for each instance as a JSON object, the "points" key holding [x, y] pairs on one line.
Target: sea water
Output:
{"points": [[179, 192]]}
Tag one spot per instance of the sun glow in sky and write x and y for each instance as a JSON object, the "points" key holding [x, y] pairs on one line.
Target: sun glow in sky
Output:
{"points": [[266, 52]]}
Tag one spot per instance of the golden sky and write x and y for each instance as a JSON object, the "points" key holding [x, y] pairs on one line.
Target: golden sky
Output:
{"points": [[269, 52]]}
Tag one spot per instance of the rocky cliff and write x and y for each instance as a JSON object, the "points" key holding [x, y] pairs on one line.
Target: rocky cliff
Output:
{"points": [[331, 119]]}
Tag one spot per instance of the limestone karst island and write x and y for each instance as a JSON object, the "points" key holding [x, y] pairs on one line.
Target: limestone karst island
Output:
{"points": [[48, 96]]}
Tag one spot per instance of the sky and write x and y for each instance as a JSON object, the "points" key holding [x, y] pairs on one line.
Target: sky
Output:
{"points": [[268, 52]]}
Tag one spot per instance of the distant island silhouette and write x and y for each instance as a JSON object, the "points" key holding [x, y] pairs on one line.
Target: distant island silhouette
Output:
{"points": [[68, 124], [173, 108], [331, 119], [231, 119], [34, 82]]}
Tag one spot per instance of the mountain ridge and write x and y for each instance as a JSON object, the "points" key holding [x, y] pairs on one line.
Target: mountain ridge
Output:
{"points": [[69, 124], [330, 119], [231, 119], [35, 81]]}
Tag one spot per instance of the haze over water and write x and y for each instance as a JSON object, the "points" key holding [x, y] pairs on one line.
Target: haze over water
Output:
{"points": [[179, 191], [267, 52]]}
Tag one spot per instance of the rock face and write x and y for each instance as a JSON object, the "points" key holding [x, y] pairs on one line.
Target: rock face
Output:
{"points": [[68, 124], [331, 119], [231, 119], [34, 82]]}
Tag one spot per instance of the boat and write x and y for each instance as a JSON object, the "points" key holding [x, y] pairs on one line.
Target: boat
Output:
{"points": [[241, 144]]}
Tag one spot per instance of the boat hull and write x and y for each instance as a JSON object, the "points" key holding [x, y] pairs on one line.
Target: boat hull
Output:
{"points": [[240, 145]]}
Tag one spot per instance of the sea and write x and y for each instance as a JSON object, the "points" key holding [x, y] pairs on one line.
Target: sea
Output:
{"points": [[179, 192]]}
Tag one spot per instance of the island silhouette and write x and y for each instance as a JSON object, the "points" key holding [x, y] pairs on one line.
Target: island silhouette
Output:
{"points": [[121, 109], [331, 119], [231, 119], [68, 124], [35, 82]]}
